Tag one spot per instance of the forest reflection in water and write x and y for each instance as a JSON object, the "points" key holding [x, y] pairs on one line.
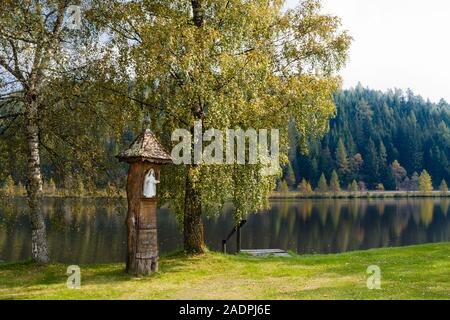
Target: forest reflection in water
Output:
{"points": [[93, 230]]}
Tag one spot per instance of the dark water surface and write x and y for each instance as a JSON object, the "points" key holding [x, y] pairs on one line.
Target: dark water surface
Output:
{"points": [[93, 230]]}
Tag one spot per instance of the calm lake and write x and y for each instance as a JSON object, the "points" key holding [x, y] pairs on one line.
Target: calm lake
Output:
{"points": [[87, 230]]}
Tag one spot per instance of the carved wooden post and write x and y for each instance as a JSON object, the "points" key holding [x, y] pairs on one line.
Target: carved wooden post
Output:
{"points": [[145, 155]]}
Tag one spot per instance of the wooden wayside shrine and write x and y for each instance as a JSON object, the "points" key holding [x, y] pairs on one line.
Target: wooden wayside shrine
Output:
{"points": [[145, 156]]}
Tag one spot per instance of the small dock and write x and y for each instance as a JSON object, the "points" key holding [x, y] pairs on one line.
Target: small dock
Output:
{"points": [[250, 252], [266, 252]]}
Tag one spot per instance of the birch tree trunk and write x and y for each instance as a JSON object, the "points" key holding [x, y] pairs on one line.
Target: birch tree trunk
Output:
{"points": [[192, 221], [39, 248]]}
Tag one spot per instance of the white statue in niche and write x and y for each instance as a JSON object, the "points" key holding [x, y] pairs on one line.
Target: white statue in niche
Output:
{"points": [[150, 184]]}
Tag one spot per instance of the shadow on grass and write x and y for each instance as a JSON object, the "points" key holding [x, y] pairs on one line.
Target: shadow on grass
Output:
{"points": [[27, 273]]}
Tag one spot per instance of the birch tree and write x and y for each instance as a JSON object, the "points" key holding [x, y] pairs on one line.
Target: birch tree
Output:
{"points": [[227, 64], [38, 53]]}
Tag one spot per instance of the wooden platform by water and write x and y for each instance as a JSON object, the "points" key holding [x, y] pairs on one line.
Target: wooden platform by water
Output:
{"points": [[266, 252]]}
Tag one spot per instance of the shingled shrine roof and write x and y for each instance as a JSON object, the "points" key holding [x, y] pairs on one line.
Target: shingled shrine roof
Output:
{"points": [[145, 148]]}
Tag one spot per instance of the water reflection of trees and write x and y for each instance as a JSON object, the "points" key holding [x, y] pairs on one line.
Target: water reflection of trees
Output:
{"points": [[87, 230], [79, 230], [341, 225]]}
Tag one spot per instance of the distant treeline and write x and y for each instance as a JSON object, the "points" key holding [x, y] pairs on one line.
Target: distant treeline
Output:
{"points": [[73, 187], [377, 140]]}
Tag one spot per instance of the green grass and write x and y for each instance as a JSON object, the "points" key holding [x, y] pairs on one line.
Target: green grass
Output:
{"points": [[417, 272]]}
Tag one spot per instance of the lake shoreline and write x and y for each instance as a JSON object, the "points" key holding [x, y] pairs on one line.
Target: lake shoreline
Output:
{"points": [[276, 195], [359, 195]]}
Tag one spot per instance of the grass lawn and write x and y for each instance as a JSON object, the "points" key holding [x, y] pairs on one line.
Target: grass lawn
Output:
{"points": [[417, 272]]}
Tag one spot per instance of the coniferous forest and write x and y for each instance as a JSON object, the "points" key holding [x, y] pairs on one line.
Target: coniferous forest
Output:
{"points": [[382, 140]]}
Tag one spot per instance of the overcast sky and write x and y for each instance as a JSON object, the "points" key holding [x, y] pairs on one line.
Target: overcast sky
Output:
{"points": [[397, 44]]}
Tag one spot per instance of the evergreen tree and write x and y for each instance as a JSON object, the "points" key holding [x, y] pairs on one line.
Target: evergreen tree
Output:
{"points": [[290, 176], [284, 187], [362, 186], [52, 186], [426, 184], [342, 160], [443, 187], [389, 181], [414, 182], [308, 188], [371, 162], [305, 187], [322, 185], [326, 161], [383, 168], [334, 182], [9, 187], [354, 186], [20, 190], [356, 165], [302, 185], [379, 187], [399, 174], [383, 155]]}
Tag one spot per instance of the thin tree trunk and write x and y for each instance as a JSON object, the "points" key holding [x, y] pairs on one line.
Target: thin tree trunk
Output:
{"points": [[198, 11], [39, 250], [192, 222]]}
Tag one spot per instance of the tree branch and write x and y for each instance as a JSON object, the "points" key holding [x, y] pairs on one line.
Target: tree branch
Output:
{"points": [[146, 104], [8, 126], [8, 68], [16, 60], [14, 115]]}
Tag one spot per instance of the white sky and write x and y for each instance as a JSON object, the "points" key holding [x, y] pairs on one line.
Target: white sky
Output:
{"points": [[397, 44]]}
